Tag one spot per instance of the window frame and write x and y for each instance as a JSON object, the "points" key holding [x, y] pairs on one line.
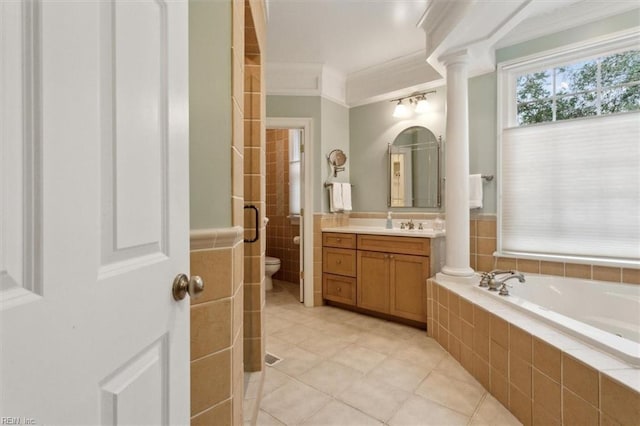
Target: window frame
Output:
{"points": [[507, 118], [508, 71]]}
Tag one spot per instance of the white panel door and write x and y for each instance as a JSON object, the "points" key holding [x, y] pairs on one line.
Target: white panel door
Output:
{"points": [[93, 212]]}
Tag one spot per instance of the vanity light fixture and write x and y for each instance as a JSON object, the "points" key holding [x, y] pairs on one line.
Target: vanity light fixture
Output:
{"points": [[401, 110], [417, 99]]}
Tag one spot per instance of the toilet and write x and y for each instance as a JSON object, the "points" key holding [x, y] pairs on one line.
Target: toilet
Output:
{"points": [[271, 266]]}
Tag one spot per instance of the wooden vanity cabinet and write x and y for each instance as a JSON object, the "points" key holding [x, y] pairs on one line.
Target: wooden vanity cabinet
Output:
{"points": [[339, 267], [380, 273], [392, 274]]}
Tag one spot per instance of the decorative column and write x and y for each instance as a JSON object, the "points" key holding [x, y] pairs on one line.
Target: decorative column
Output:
{"points": [[457, 166]]}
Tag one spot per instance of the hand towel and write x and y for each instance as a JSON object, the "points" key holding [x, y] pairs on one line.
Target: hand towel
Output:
{"points": [[475, 191], [335, 198], [346, 197]]}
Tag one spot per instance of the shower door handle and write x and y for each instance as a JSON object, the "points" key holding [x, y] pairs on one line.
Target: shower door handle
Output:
{"points": [[257, 219]]}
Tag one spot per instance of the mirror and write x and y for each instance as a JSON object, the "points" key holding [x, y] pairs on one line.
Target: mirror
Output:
{"points": [[414, 169]]}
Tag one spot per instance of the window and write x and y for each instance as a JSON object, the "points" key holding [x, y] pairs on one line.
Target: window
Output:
{"points": [[569, 185], [604, 85], [295, 141]]}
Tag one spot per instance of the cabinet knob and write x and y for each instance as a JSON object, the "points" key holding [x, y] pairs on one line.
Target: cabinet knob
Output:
{"points": [[392, 256], [338, 239], [339, 261], [339, 290]]}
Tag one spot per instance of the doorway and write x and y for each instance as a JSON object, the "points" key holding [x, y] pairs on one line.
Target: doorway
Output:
{"points": [[289, 198]]}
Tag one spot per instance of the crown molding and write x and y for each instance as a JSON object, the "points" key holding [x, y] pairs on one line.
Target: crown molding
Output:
{"points": [[571, 16], [392, 79]]}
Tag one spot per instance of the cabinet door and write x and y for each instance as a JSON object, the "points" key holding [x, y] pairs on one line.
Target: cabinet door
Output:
{"points": [[407, 285], [373, 281]]}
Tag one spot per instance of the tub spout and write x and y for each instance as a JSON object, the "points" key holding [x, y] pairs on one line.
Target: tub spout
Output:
{"points": [[489, 279], [504, 288]]}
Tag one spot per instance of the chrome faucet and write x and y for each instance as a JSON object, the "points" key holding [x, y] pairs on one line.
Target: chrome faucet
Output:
{"points": [[504, 291], [488, 278], [410, 224]]}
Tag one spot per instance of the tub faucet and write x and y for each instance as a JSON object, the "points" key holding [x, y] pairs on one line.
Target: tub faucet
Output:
{"points": [[488, 278], [504, 291]]}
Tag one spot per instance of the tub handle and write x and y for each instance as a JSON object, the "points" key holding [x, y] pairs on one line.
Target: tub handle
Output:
{"points": [[257, 228]]}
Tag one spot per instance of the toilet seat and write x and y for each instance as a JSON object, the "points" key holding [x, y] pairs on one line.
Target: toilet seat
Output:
{"points": [[268, 260]]}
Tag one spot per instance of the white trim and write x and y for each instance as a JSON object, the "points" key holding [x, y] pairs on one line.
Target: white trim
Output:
{"points": [[574, 15], [307, 220]]}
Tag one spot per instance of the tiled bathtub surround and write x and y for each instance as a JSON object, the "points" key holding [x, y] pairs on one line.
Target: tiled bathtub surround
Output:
{"points": [[541, 375]]}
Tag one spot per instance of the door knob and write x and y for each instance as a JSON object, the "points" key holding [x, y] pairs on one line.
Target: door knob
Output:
{"points": [[183, 285]]}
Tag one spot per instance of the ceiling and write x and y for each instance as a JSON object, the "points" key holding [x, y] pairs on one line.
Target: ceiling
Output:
{"points": [[363, 50], [345, 35]]}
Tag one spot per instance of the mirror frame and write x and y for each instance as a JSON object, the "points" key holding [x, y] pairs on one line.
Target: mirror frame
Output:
{"points": [[438, 171]]}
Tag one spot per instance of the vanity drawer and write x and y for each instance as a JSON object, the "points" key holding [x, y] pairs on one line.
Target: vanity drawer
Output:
{"points": [[403, 245], [339, 289], [339, 261], [338, 239]]}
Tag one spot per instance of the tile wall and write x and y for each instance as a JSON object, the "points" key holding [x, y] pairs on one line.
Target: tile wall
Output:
{"points": [[281, 230], [539, 383], [483, 245], [254, 184], [216, 328]]}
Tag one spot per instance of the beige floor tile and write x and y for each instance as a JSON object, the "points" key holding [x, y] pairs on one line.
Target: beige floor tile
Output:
{"points": [[337, 413], [378, 343], [277, 346], [419, 412], [345, 332], [265, 419], [450, 367], [492, 413], [323, 344], [398, 332], [274, 323], [365, 323], [369, 382], [455, 394], [297, 361], [373, 397], [358, 358], [294, 334], [294, 402], [428, 355], [273, 380], [399, 373], [330, 377]]}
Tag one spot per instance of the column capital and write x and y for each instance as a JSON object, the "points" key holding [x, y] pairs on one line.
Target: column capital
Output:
{"points": [[456, 57]]}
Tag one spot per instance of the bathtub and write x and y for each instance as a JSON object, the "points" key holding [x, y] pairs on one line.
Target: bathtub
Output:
{"points": [[604, 315]]}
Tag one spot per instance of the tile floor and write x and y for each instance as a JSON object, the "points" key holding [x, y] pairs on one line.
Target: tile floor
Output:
{"points": [[343, 368]]}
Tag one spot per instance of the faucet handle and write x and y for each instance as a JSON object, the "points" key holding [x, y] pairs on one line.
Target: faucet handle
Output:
{"points": [[504, 291]]}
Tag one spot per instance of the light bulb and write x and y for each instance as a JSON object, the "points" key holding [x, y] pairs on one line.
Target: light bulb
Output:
{"points": [[422, 106], [401, 110]]}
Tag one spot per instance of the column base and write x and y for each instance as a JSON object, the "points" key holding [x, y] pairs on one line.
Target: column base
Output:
{"points": [[457, 272]]}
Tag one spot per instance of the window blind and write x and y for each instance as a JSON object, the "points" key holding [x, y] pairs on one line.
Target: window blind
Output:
{"points": [[572, 189]]}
